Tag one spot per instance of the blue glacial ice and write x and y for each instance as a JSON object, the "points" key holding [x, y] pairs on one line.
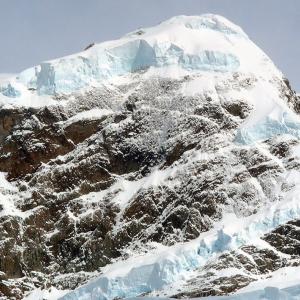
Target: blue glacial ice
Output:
{"points": [[9, 91], [70, 74], [268, 128], [102, 62], [171, 266], [75, 73], [213, 22]]}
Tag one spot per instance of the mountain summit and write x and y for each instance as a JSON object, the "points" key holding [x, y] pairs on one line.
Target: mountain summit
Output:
{"points": [[191, 44], [165, 163]]}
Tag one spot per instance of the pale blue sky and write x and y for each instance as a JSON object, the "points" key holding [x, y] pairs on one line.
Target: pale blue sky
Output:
{"points": [[35, 30]]}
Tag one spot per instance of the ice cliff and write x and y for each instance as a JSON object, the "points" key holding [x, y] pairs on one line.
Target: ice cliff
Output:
{"points": [[206, 43]]}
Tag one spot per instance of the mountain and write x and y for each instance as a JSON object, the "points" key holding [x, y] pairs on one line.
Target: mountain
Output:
{"points": [[165, 163]]}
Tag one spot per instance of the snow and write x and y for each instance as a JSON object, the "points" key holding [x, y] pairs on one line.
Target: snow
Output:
{"points": [[26, 98], [284, 123], [163, 267], [4, 184], [271, 116], [208, 48], [212, 50], [92, 114], [282, 278], [265, 293], [9, 91], [9, 196], [7, 205], [207, 43], [51, 294]]}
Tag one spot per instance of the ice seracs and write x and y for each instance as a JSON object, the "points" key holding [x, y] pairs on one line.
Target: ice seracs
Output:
{"points": [[9, 91], [207, 45], [197, 43]]}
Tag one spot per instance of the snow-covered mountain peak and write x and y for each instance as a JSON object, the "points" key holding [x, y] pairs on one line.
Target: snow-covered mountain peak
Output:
{"points": [[206, 21], [165, 163], [209, 49], [202, 22], [189, 44]]}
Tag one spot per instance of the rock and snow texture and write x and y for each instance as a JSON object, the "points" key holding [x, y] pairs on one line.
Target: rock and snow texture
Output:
{"points": [[181, 45], [165, 163]]}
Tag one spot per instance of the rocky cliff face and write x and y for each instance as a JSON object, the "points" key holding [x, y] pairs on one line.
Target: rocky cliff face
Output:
{"points": [[152, 151]]}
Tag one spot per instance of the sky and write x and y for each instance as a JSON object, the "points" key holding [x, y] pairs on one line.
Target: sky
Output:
{"points": [[36, 30]]}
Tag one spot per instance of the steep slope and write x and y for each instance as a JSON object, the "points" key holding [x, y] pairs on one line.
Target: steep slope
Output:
{"points": [[153, 163]]}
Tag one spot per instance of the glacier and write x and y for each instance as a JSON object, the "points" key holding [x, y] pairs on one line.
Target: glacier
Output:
{"points": [[145, 274], [268, 128], [214, 53], [268, 293], [73, 74], [9, 91], [206, 44], [199, 47]]}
